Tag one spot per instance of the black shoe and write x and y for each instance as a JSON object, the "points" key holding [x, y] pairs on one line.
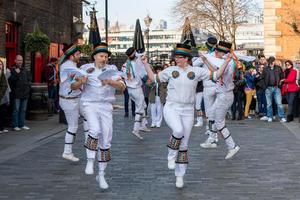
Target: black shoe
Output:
{"points": [[126, 115], [290, 118]]}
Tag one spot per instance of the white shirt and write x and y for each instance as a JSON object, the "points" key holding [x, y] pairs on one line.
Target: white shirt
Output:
{"points": [[137, 73], [182, 83], [216, 64], [93, 90], [225, 83], [66, 80]]}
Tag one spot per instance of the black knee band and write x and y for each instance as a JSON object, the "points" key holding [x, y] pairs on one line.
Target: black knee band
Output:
{"points": [[222, 128], [227, 137], [210, 124], [73, 139]]}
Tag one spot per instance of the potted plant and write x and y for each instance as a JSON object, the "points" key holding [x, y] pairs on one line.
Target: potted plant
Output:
{"points": [[37, 41]]}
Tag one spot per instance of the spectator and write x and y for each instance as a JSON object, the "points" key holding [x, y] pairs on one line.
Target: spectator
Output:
{"points": [[172, 63], [165, 65], [272, 75], [156, 105], [261, 61], [50, 75], [249, 89], [238, 92], [20, 85], [126, 104], [290, 88], [260, 93], [4, 94]]}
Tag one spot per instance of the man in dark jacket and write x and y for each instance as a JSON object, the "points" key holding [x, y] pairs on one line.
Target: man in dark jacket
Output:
{"points": [[20, 87], [260, 92], [50, 75], [272, 74]]}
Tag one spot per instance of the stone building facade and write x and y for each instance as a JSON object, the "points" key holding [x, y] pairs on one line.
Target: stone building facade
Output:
{"points": [[18, 17], [282, 29]]}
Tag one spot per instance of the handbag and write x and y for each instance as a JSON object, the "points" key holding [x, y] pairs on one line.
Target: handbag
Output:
{"points": [[284, 89]]}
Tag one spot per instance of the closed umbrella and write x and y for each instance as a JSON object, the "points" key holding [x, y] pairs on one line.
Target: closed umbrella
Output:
{"points": [[138, 40], [187, 34], [94, 36]]}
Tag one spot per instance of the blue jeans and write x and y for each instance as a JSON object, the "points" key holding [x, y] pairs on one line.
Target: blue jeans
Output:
{"points": [[262, 102], [270, 91], [19, 111]]}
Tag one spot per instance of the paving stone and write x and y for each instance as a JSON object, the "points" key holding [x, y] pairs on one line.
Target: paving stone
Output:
{"points": [[267, 167]]}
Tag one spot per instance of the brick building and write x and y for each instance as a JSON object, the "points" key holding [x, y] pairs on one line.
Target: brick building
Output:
{"points": [[54, 17], [282, 29]]}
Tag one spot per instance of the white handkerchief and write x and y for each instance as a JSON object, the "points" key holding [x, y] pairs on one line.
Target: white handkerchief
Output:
{"points": [[110, 74], [77, 72], [244, 57]]}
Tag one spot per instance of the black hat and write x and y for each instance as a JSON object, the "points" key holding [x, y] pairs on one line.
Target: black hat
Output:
{"points": [[68, 51], [211, 42], [130, 51], [158, 66], [183, 50], [101, 48], [271, 59], [224, 47]]}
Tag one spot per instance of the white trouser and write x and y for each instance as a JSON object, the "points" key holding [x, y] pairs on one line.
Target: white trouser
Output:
{"points": [[209, 95], [156, 112], [72, 109], [137, 95], [100, 122], [198, 100], [180, 118], [221, 106]]}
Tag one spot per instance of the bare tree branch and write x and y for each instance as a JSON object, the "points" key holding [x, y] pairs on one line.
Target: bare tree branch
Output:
{"points": [[219, 17]]}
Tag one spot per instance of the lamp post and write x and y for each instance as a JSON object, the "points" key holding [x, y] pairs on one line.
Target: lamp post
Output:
{"points": [[148, 21], [79, 26], [106, 21]]}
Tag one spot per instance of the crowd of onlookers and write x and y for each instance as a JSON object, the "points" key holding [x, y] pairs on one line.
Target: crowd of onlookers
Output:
{"points": [[14, 89], [262, 88]]}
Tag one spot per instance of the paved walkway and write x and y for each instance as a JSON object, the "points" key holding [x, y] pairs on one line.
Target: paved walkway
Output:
{"points": [[267, 166]]}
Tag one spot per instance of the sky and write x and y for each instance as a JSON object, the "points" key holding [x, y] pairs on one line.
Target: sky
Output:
{"points": [[127, 11]]}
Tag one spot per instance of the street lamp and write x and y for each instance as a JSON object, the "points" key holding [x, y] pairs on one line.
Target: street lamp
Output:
{"points": [[79, 25], [148, 21]]}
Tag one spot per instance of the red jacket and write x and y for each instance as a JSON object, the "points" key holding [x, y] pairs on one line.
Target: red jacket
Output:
{"points": [[290, 84]]}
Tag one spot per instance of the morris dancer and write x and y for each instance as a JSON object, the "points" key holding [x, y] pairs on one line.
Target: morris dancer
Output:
{"points": [[97, 98], [69, 99], [133, 69], [179, 108], [224, 100]]}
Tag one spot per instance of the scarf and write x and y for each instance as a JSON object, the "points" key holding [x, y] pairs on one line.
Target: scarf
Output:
{"points": [[129, 70], [287, 72]]}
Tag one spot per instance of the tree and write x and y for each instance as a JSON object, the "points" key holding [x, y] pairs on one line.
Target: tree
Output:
{"points": [[219, 17]]}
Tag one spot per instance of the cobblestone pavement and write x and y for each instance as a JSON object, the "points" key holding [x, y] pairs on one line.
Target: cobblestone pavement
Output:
{"points": [[267, 166]]}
